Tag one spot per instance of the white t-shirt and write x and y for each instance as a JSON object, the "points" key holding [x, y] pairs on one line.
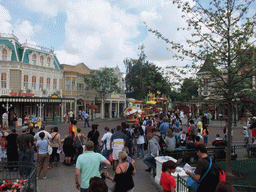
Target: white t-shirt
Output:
{"points": [[5, 116], [107, 137], [47, 135], [141, 139]]}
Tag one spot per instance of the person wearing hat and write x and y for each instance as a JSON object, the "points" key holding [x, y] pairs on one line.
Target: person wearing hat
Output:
{"points": [[24, 143], [246, 135], [93, 136]]}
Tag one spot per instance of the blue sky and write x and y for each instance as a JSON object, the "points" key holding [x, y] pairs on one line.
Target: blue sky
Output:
{"points": [[96, 32]]}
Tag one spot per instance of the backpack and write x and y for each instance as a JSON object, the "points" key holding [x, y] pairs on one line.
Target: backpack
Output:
{"points": [[161, 142], [222, 176]]}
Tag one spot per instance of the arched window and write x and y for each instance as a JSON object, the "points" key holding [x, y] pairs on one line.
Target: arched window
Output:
{"points": [[41, 60], [34, 59], [4, 54], [3, 80], [48, 62]]}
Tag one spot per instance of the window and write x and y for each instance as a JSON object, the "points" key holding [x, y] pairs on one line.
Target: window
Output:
{"points": [[48, 62], [3, 80], [80, 87], [54, 84], [48, 84], [73, 84], [25, 81], [34, 59], [206, 85], [41, 83], [4, 55], [34, 82], [42, 61], [68, 82]]}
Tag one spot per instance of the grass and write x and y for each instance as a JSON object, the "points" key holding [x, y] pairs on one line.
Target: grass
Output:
{"points": [[245, 167]]}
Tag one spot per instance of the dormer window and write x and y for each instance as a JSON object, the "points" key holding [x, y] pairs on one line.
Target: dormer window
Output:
{"points": [[34, 59], [41, 60], [48, 62], [4, 55]]}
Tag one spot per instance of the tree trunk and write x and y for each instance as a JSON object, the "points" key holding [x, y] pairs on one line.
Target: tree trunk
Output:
{"points": [[228, 154]]}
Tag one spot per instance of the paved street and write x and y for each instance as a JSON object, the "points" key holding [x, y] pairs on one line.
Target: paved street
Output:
{"points": [[62, 178]]}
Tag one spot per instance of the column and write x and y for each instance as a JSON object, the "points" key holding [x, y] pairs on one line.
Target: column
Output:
{"points": [[118, 108], [110, 109]]}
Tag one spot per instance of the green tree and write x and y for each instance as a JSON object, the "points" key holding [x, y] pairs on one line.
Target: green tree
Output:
{"points": [[104, 82], [189, 88], [222, 34], [143, 77]]}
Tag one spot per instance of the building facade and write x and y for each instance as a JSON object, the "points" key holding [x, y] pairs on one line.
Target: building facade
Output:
{"points": [[31, 80]]}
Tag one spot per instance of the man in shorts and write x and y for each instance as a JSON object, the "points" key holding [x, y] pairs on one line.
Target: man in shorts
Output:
{"points": [[117, 143]]}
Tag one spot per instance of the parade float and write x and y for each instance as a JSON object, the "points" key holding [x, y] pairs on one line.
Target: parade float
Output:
{"points": [[151, 107]]}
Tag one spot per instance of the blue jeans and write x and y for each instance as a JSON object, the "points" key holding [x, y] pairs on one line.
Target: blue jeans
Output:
{"points": [[83, 190], [106, 153], [24, 157], [86, 121], [140, 147], [79, 150], [149, 160]]}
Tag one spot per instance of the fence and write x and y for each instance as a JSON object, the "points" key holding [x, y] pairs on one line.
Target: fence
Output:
{"points": [[181, 185], [10, 172]]}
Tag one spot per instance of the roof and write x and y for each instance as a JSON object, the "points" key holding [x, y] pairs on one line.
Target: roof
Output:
{"points": [[206, 67], [20, 51], [80, 68]]}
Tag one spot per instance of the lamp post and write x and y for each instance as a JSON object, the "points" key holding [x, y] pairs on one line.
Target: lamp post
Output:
{"points": [[7, 106], [40, 106]]}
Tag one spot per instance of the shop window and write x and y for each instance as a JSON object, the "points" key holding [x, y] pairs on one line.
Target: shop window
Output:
{"points": [[41, 83], [42, 61], [4, 55], [3, 80], [48, 83], [54, 84], [34, 59], [34, 82], [25, 81]]}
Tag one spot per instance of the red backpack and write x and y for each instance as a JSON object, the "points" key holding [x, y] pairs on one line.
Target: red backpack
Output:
{"points": [[222, 176]]}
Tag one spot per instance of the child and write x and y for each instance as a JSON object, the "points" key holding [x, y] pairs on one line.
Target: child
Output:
{"points": [[246, 135], [167, 180], [183, 138], [199, 134], [3, 143]]}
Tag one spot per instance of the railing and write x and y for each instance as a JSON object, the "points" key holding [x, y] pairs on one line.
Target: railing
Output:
{"points": [[8, 35], [10, 172], [182, 185], [244, 188], [4, 92]]}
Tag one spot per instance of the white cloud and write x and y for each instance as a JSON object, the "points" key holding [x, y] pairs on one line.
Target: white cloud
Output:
{"points": [[67, 58], [5, 18], [24, 31], [46, 7]]}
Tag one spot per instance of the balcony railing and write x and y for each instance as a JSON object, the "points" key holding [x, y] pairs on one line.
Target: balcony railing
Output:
{"points": [[4, 92]]}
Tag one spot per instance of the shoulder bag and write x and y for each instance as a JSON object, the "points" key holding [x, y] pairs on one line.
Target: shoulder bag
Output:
{"points": [[49, 147], [193, 184]]}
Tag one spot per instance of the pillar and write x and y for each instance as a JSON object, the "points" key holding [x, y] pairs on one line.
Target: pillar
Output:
{"points": [[110, 109], [102, 109], [118, 108]]}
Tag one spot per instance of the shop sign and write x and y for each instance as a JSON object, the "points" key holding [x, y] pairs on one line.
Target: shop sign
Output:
{"points": [[22, 94]]}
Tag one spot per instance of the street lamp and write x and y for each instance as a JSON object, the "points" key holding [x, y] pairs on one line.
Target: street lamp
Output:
{"points": [[40, 106], [7, 106]]}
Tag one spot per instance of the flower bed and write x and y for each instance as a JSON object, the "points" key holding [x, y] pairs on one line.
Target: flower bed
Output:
{"points": [[12, 186]]}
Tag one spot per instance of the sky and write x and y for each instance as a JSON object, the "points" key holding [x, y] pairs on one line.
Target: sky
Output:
{"points": [[98, 33]]}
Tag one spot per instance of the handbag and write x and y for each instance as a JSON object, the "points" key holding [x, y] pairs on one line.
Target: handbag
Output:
{"points": [[193, 184], [49, 148]]}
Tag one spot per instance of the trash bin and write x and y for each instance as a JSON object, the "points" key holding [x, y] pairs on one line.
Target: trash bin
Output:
{"points": [[57, 120]]}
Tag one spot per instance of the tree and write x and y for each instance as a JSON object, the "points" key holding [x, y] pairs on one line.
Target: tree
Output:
{"points": [[189, 88], [143, 77], [223, 35], [103, 82]]}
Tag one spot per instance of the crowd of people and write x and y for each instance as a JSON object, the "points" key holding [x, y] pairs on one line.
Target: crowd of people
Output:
{"points": [[144, 139]]}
